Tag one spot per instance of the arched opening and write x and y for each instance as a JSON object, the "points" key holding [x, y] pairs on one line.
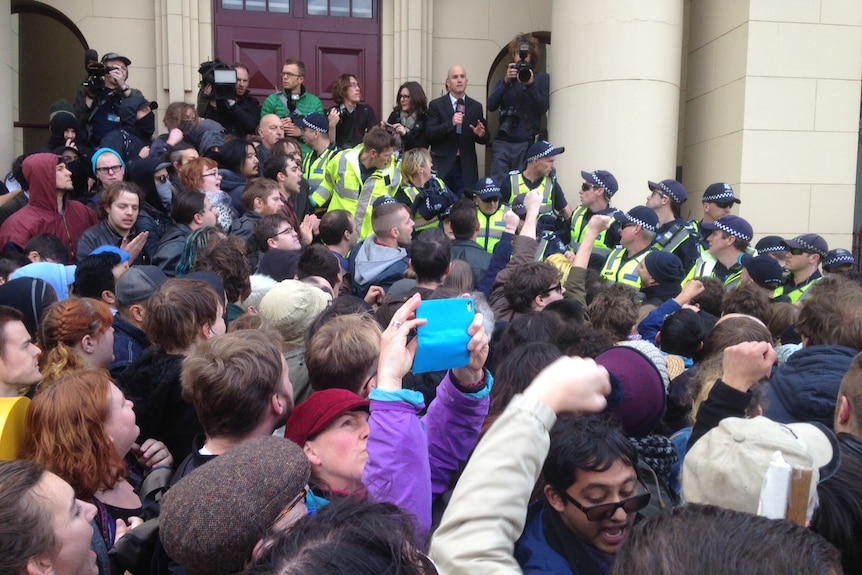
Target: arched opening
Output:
{"points": [[50, 66], [497, 70]]}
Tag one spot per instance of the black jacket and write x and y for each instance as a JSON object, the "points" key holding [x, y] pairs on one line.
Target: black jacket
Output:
{"points": [[170, 249], [445, 142], [153, 384]]}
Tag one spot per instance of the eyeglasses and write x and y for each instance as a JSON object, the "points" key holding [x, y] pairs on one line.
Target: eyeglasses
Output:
{"points": [[290, 75], [658, 193], [557, 288], [403, 96], [161, 179], [606, 510], [212, 174], [299, 498], [797, 252], [586, 186], [109, 169], [724, 205], [288, 230]]}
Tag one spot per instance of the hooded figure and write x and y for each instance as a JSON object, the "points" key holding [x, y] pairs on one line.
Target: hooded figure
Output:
{"points": [[49, 210], [135, 132], [155, 215]]}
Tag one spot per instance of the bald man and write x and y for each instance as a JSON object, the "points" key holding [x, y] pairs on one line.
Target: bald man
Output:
{"points": [[456, 123], [270, 131]]}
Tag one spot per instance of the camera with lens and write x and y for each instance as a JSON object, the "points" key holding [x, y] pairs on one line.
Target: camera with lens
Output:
{"points": [[523, 68], [509, 121], [221, 77]]}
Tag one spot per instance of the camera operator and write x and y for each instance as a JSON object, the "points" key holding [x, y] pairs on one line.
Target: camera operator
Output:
{"points": [[97, 103], [523, 97], [239, 113]]}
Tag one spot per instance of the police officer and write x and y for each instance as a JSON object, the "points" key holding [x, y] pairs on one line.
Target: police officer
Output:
{"points": [[539, 174], [728, 238], [596, 192], [674, 235], [637, 229], [491, 210]]}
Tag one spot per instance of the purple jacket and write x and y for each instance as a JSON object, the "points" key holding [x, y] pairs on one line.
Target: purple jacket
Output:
{"points": [[411, 461]]}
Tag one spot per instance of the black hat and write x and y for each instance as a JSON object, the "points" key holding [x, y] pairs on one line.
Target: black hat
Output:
{"points": [[114, 56]]}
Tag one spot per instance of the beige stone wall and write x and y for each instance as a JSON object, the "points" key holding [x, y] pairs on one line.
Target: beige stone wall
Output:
{"points": [[773, 108]]}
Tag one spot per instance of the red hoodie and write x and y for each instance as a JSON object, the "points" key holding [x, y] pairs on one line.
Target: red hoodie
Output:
{"points": [[40, 215]]}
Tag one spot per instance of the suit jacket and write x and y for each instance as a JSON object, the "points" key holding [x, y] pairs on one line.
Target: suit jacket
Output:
{"points": [[446, 143]]}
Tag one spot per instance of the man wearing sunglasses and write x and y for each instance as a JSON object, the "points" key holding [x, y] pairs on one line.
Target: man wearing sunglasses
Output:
{"points": [[674, 235], [596, 192], [804, 254], [592, 497], [717, 201]]}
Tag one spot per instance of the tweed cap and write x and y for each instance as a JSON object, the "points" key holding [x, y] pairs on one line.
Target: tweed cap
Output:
{"points": [[211, 519]]}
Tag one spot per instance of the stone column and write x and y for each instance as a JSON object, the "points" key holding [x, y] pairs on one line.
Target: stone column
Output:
{"points": [[615, 89], [407, 29], [8, 61]]}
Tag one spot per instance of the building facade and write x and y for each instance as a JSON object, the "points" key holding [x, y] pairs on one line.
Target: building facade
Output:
{"points": [[762, 94]]}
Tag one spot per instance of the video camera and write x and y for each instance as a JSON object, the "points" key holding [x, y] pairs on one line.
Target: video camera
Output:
{"points": [[96, 71], [221, 77]]}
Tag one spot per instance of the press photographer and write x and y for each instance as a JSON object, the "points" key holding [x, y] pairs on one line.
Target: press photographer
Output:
{"points": [[98, 100], [522, 96], [224, 97]]}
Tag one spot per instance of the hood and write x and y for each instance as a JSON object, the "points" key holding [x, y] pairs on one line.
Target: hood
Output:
{"points": [[805, 388], [40, 171], [231, 180], [128, 110], [62, 121], [373, 259], [141, 172]]}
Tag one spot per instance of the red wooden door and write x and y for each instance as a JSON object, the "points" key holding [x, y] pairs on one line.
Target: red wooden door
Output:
{"points": [[332, 37]]}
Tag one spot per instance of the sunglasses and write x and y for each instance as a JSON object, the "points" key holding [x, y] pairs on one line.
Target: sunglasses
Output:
{"points": [[607, 510], [797, 252], [724, 205], [585, 187], [627, 225]]}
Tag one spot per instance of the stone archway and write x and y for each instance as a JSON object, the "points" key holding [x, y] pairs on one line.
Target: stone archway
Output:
{"points": [[496, 71], [50, 66]]}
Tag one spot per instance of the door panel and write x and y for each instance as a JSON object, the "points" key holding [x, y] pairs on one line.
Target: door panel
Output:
{"points": [[329, 45]]}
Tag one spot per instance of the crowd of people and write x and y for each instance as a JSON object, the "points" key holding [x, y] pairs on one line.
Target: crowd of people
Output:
{"points": [[225, 338]]}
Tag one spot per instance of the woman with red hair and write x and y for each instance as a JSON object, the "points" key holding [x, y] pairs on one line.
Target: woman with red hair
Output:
{"points": [[202, 175], [76, 334], [82, 428]]}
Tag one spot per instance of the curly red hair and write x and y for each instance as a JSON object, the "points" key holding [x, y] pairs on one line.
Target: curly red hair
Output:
{"points": [[66, 432]]}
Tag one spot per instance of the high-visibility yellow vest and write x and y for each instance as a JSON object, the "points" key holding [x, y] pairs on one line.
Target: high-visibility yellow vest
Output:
{"points": [[343, 188], [313, 166], [491, 228], [622, 269], [519, 186]]}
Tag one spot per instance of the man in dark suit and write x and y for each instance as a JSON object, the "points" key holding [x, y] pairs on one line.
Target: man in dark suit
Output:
{"points": [[455, 125]]}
